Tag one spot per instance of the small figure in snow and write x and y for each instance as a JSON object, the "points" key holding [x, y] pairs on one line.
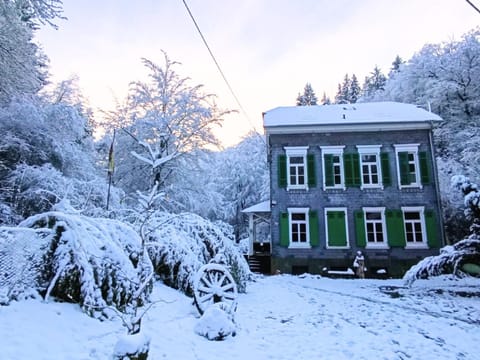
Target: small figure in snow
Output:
{"points": [[359, 265]]}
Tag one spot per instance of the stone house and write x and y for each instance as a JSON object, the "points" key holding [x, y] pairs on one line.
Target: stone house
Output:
{"points": [[349, 178]]}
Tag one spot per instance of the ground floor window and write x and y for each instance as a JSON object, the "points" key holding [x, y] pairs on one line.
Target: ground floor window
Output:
{"points": [[375, 227], [414, 222], [336, 228]]}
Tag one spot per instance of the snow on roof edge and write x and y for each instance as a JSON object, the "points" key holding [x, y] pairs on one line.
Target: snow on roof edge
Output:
{"points": [[264, 206]]}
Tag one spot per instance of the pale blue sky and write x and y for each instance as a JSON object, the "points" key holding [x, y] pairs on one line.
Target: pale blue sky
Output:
{"points": [[268, 49]]}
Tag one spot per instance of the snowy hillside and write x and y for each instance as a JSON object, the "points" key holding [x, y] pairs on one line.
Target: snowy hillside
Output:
{"points": [[280, 317]]}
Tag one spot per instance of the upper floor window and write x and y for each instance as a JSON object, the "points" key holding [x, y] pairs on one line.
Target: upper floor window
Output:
{"points": [[371, 170], [412, 166], [333, 168], [296, 169]]}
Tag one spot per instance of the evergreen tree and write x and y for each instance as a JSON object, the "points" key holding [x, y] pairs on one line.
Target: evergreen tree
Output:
{"points": [[308, 97], [354, 91], [374, 84], [395, 66], [325, 99]]}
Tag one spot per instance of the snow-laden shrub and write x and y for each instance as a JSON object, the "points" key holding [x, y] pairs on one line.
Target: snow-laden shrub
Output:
{"points": [[215, 324], [21, 252], [180, 244], [451, 260], [94, 262]]}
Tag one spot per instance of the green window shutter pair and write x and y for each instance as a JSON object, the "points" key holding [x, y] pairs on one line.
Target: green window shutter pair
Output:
{"points": [[328, 166], [351, 163], [395, 228], [406, 177], [433, 239], [282, 171], [360, 228], [337, 232], [385, 165], [285, 229]]}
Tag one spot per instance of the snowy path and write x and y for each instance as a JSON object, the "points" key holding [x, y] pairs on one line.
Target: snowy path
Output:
{"points": [[280, 317]]}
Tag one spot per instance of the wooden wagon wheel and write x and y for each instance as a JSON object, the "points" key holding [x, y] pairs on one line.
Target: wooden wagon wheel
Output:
{"points": [[214, 284]]}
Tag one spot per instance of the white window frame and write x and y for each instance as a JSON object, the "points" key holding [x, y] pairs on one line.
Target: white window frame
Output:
{"points": [[297, 151], [299, 245], [371, 150], [411, 148], [415, 245], [346, 227], [333, 150], [376, 245]]}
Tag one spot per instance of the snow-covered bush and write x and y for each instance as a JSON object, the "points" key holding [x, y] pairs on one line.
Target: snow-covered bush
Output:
{"points": [[180, 244], [454, 259], [94, 262], [21, 252], [215, 324]]}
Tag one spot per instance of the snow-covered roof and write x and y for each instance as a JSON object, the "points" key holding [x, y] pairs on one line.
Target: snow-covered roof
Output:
{"points": [[264, 206], [347, 114]]}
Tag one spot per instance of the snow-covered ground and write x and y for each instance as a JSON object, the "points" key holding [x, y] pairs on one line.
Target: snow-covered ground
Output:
{"points": [[280, 317]]}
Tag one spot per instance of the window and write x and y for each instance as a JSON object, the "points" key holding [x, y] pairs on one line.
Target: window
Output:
{"points": [[336, 228], [412, 166], [299, 228], [371, 171], [296, 169], [414, 222], [333, 176], [375, 229]]}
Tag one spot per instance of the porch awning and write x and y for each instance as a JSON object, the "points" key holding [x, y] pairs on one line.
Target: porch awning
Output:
{"points": [[263, 207]]}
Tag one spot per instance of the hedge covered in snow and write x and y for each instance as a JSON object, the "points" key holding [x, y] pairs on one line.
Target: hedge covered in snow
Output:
{"points": [[180, 244], [97, 263]]}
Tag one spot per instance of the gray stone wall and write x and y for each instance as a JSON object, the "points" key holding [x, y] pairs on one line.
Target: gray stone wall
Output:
{"points": [[391, 197]]}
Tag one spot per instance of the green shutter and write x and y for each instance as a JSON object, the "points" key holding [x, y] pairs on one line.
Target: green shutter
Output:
{"points": [[313, 226], [424, 173], [282, 171], [356, 170], [284, 230], [351, 163], [312, 181], [395, 228], [385, 164], [328, 165], [337, 233], [403, 166], [433, 238], [360, 228]]}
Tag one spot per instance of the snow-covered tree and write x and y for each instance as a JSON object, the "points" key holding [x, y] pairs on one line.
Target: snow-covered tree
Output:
{"points": [[396, 64], [343, 92], [354, 90], [46, 154], [165, 119], [374, 84], [242, 180], [308, 97], [325, 99]]}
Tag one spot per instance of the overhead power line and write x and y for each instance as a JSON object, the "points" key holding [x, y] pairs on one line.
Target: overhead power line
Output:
{"points": [[472, 5], [218, 67]]}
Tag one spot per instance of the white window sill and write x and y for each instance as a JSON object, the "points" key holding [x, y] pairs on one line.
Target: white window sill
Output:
{"points": [[377, 246], [411, 186], [299, 246], [368, 187], [416, 246], [297, 187], [338, 247], [338, 187]]}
